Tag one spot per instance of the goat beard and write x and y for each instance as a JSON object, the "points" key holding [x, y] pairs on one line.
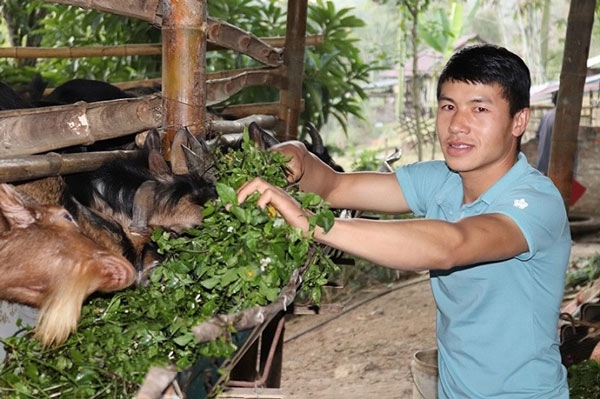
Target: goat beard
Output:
{"points": [[60, 312]]}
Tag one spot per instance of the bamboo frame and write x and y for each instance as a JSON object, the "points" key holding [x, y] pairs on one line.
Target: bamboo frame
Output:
{"points": [[79, 125]]}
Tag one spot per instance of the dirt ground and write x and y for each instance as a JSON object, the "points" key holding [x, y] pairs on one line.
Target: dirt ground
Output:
{"points": [[365, 351]]}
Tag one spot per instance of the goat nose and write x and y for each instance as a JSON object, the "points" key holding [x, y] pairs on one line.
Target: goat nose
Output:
{"points": [[117, 273]]}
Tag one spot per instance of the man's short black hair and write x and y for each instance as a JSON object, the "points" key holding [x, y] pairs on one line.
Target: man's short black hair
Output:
{"points": [[490, 64]]}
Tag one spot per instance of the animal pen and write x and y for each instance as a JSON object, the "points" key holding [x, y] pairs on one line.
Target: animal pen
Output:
{"points": [[27, 147]]}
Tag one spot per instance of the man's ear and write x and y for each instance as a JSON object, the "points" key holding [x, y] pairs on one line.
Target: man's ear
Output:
{"points": [[520, 121]]}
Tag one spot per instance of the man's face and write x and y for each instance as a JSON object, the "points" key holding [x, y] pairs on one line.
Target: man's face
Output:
{"points": [[475, 129]]}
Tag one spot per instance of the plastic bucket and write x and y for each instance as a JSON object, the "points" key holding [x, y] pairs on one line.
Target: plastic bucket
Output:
{"points": [[424, 369]]}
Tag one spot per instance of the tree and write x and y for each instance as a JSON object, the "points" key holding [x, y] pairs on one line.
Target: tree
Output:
{"points": [[410, 11], [22, 22]]}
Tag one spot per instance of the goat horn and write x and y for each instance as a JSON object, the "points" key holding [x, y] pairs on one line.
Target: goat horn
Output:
{"points": [[315, 137]]}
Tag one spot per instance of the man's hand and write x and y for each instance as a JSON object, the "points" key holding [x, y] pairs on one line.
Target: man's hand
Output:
{"points": [[276, 197], [297, 152]]}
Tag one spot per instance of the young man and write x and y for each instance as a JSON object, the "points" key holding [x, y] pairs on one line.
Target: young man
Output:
{"points": [[494, 236]]}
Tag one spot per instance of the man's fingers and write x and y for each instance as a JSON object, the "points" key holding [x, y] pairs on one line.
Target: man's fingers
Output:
{"points": [[250, 187]]}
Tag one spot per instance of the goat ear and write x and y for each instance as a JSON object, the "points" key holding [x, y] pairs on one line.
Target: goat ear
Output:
{"points": [[178, 160], [152, 142], [157, 164], [152, 151], [143, 204], [261, 137], [198, 153], [14, 209]]}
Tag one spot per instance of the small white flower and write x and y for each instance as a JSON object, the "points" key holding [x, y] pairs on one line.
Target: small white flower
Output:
{"points": [[171, 355], [230, 229], [264, 263], [520, 203]]}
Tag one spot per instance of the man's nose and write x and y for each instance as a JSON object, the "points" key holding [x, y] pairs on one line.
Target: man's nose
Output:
{"points": [[459, 123]]}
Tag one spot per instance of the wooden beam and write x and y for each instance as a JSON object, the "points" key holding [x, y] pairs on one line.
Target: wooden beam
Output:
{"points": [[563, 150]]}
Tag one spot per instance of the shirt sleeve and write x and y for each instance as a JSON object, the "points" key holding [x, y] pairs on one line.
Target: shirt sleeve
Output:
{"points": [[420, 182], [538, 210]]}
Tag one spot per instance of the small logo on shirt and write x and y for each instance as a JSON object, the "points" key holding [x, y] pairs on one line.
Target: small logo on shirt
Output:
{"points": [[520, 203]]}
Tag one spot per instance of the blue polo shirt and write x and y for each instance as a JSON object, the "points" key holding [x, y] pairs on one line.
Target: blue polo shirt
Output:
{"points": [[497, 323]]}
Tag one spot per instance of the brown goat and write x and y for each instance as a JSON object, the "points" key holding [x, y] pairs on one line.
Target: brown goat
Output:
{"points": [[48, 263]]}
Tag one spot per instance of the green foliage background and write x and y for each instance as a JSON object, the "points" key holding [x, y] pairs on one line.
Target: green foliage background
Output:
{"points": [[333, 71]]}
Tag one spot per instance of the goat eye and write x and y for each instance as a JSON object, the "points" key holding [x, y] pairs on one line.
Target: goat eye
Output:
{"points": [[67, 216]]}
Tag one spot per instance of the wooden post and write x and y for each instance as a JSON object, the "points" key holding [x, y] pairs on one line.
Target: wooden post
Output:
{"points": [[293, 60], [183, 72], [563, 150]]}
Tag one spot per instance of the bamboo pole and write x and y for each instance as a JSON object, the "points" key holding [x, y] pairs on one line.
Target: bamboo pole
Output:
{"points": [[243, 42], [81, 52], [237, 126], [291, 96], [219, 90], [563, 150], [244, 110], [30, 167], [146, 10], [37, 130], [124, 50], [26, 132], [183, 74], [221, 85]]}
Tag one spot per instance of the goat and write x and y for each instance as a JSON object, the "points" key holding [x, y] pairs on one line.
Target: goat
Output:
{"points": [[144, 193], [315, 146], [48, 263], [119, 204]]}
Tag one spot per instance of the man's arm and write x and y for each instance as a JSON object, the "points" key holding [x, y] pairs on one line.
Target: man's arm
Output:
{"points": [[424, 244], [364, 191], [413, 244]]}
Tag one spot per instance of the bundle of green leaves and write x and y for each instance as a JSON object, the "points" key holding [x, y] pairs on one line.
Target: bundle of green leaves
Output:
{"points": [[237, 259], [584, 380]]}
